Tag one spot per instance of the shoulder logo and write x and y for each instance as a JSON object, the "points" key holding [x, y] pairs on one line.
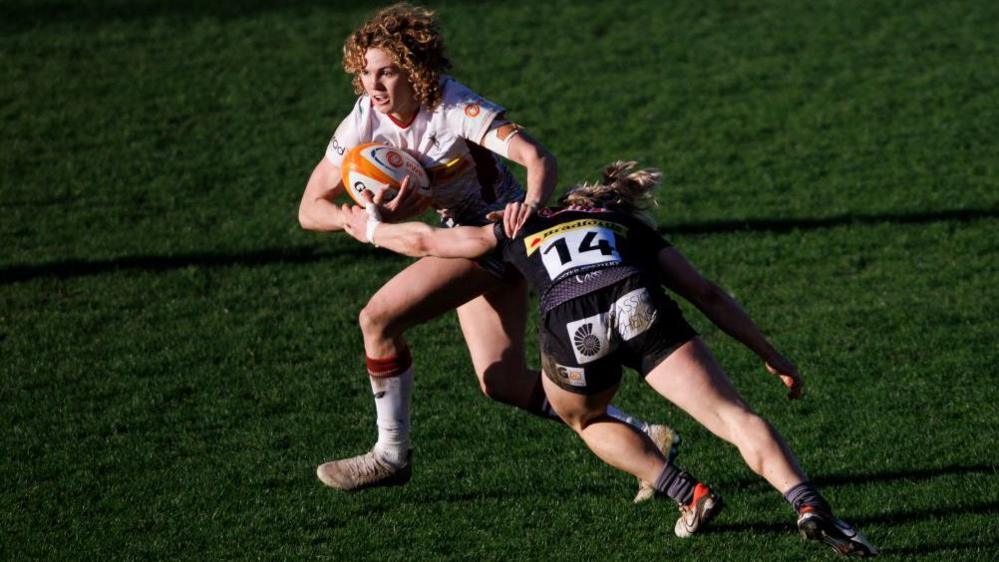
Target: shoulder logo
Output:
{"points": [[472, 110]]}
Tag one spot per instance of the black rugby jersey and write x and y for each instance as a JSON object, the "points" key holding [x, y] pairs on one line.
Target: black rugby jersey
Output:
{"points": [[566, 253]]}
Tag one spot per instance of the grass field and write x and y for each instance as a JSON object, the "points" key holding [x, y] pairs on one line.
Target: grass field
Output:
{"points": [[176, 355]]}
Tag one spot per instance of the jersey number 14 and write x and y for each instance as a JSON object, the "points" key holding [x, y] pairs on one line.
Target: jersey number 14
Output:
{"points": [[579, 248]]}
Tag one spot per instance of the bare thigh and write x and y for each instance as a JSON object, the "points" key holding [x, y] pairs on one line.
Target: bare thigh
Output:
{"points": [[494, 325], [692, 379], [426, 289]]}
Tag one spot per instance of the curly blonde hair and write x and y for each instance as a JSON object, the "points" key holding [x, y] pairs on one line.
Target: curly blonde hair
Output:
{"points": [[621, 189], [411, 35]]}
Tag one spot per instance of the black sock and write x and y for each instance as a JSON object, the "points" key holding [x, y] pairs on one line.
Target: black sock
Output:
{"points": [[676, 484], [805, 494]]}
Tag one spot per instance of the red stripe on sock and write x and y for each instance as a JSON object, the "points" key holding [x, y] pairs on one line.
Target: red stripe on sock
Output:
{"points": [[391, 366]]}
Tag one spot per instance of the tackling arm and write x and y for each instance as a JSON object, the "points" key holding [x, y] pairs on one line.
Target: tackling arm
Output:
{"points": [[681, 277], [510, 141], [416, 239]]}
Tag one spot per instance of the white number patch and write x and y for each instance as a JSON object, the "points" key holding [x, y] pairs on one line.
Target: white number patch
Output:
{"points": [[576, 248]]}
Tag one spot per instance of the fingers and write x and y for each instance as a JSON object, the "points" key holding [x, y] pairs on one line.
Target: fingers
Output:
{"points": [[789, 376], [370, 204], [794, 386], [514, 217], [408, 202], [405, 186]]}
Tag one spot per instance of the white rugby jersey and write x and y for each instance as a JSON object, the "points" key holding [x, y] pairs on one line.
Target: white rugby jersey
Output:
{"points": [[466, 180]]}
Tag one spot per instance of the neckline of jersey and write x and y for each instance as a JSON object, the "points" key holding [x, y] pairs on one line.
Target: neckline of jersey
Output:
{"points": [[404, 125]]}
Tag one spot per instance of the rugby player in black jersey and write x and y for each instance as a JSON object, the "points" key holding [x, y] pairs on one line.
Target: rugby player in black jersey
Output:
{"points": [[599, 267]]}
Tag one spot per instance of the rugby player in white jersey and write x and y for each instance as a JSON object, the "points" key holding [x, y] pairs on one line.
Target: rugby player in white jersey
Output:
{"points": [[408, 101]]}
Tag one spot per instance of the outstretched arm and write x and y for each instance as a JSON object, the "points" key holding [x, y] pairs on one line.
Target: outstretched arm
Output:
{"points": [[417, 239], [682, 278]]}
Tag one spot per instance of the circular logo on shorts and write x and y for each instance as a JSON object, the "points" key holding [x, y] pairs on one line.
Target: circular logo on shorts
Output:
{"points": [[585, 341], [394, 158], [472, 110]]}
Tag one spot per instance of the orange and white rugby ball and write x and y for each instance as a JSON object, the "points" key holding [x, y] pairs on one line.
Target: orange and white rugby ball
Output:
{"points": [[379, 167]]}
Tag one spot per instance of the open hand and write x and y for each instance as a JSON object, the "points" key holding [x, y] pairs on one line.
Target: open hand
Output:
{"points": [[513, 216]]}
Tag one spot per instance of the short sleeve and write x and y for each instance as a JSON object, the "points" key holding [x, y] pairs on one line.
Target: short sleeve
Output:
{"points": [[348, 134], [646, 239], [467, 114]]}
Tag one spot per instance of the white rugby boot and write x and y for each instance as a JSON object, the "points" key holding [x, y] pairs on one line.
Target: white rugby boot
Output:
{"points": [[842, 537], [364, 471], [703, 507]]}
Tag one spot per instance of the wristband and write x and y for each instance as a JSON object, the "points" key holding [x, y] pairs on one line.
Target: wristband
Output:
{"points": [[372, 211], [369, 232]]}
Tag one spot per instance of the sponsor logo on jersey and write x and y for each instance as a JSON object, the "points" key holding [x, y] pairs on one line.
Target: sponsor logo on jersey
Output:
{"points": [[472, 110], [585, 342], [337, 147], [588, 276], [573, 376], [590, 338], [635, 313], [534, 241]]}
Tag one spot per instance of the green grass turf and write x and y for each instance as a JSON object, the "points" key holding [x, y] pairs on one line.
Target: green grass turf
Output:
{"points": [[176, 355]]}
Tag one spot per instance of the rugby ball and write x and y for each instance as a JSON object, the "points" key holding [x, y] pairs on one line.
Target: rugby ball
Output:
{"points": [[378, 167]]}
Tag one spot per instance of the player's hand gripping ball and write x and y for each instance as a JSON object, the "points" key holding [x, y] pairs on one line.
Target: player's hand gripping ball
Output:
{"points": [[377, 167]]}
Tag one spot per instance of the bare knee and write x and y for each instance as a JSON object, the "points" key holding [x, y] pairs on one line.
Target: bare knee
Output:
{"points": [[376, 320], [755, 438], [579, 420]]}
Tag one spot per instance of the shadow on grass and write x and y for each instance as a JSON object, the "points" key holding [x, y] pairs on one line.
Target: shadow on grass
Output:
{"points": [[791, 224], [309, 254], [20, 15], [751, 483], [913, 474], [80, 268], [932, 548], [892, 519]]}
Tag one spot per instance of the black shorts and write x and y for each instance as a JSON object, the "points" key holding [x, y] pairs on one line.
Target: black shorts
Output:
{"points": [[586, 340], [492, 261]]}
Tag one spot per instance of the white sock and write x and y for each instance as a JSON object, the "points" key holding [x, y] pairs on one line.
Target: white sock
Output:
{"points": [[640, 425], [392, 398]]}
